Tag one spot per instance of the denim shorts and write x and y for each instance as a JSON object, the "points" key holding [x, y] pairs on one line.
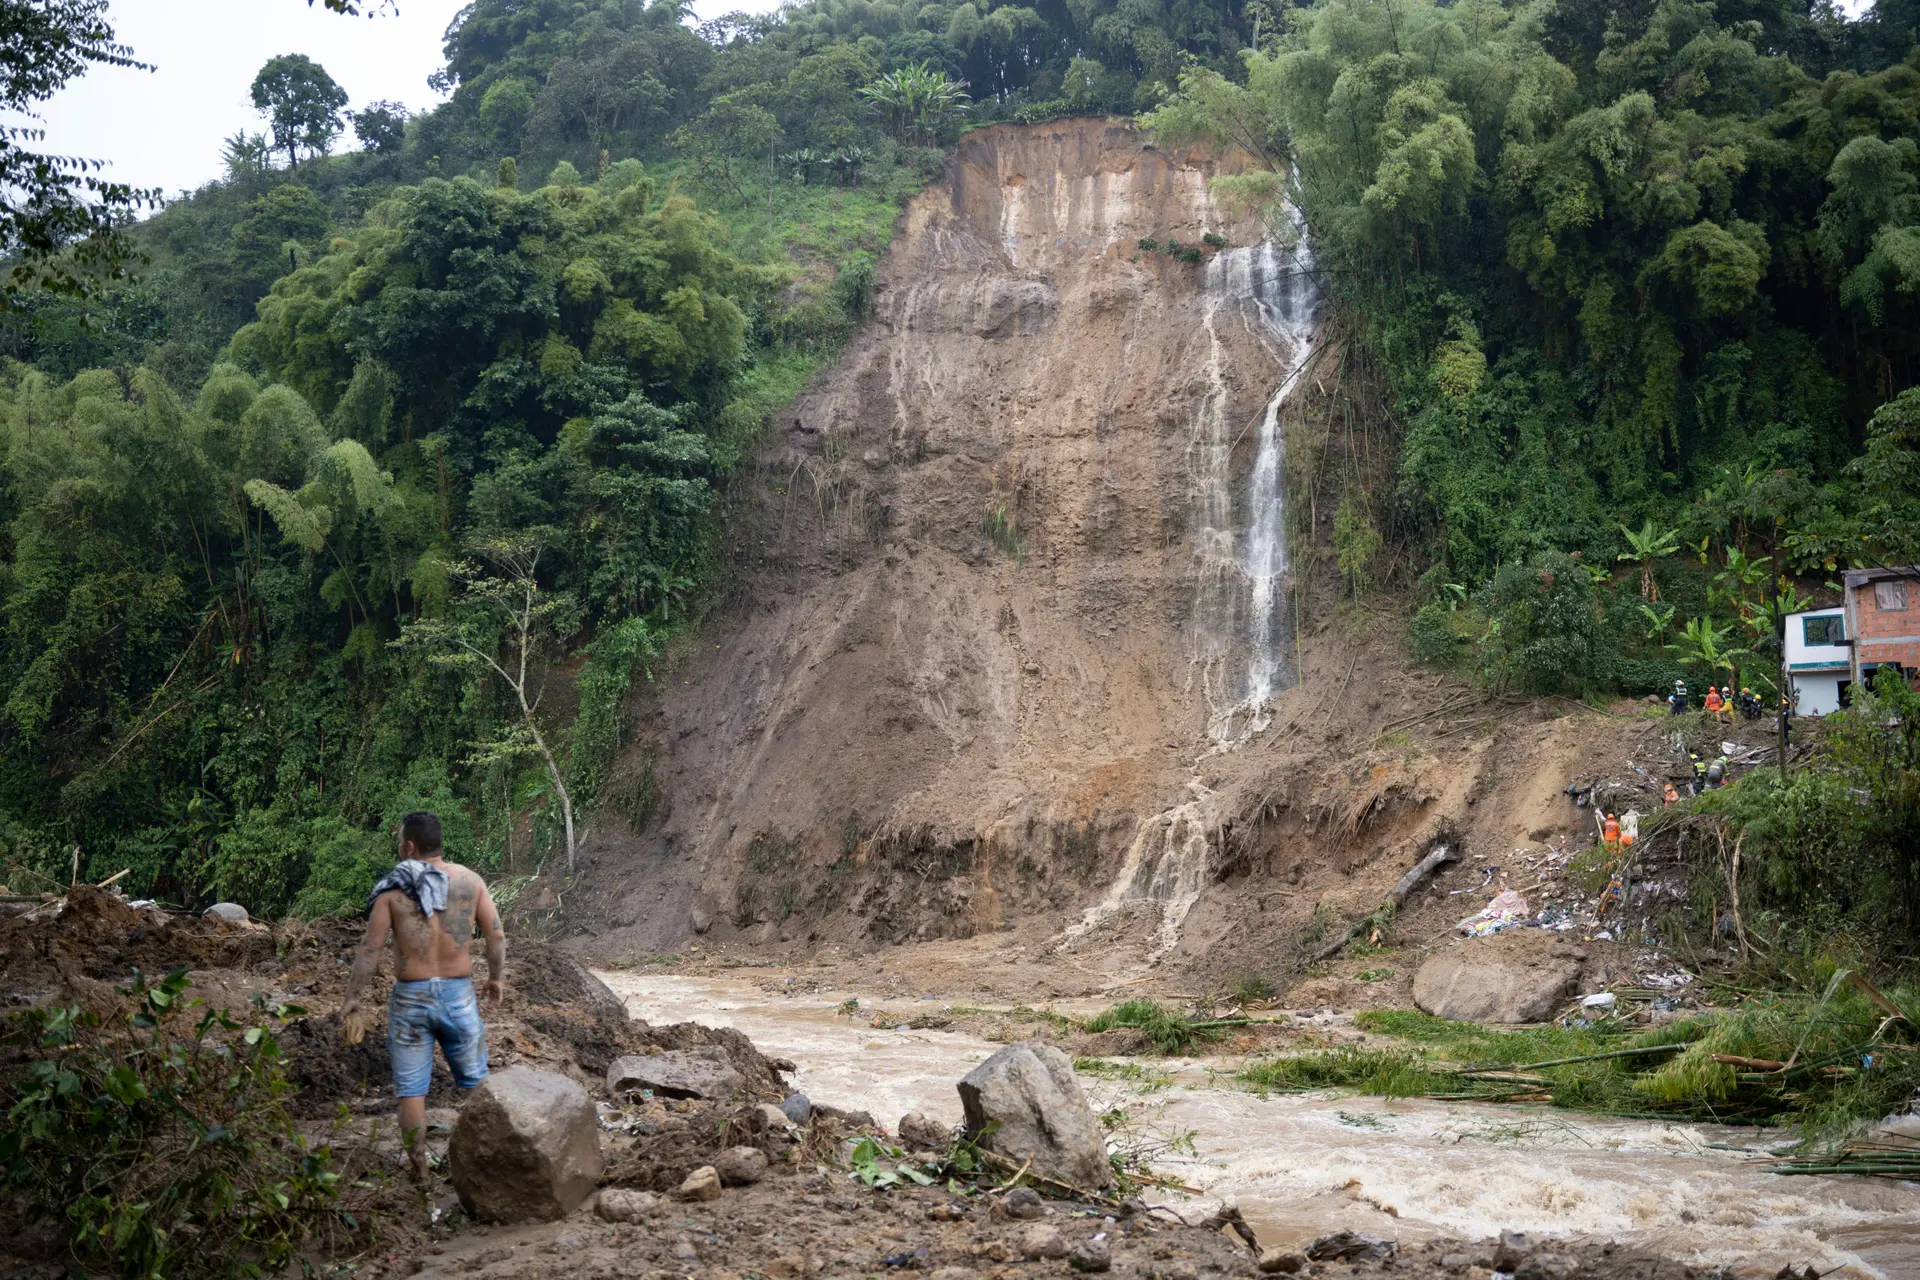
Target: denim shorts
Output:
{"points": [[442, 1009]]}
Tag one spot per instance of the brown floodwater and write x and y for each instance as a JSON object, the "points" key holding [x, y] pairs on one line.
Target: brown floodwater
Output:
{"points": [[1301, 1165]]}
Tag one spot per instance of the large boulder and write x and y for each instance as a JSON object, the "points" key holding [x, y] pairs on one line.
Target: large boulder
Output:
{"points": [[1499, 979], [526, 1147], [1042, 1115], [702, 1072]]}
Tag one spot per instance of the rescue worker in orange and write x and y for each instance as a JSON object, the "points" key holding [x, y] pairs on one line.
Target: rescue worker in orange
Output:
{"points": [[1712, 703], [1610, 833]]}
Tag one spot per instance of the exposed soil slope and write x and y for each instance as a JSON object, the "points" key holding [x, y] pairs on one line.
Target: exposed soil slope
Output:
{"points": [[956, 643]]}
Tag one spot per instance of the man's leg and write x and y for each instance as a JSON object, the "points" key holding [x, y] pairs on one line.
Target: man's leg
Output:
{"points": [[410, 1047], [413, 1133]]}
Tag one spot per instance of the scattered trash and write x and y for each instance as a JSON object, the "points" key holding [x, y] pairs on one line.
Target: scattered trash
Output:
{"points": [[1600, 1000], [1506, 910]]}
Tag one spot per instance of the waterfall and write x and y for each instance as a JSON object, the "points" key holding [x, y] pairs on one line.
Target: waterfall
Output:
{"points": [[1240, 615], [1238, 630]]}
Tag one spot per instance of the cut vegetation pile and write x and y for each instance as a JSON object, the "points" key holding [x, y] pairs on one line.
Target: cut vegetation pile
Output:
{"points": [[1820, 1062]]}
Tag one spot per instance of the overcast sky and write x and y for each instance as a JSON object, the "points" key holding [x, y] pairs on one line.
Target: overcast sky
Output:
{"points": [[163, 128]]}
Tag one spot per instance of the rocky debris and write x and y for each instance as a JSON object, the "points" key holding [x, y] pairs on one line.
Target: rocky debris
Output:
{"points": [[702, 1184], [619, 1204], [701, 1072], [1042, 1115], [231, 912], [740, 1166], [1025, 1203], [797, 1107], [919, 1133], [1547, 1266], [767, 1118], [1043, 1240], [1350, 1246], [1091, 1255], [1513, 1249], [846, 1119], [1507, 979], [1286, 1262], [526, 1146]]}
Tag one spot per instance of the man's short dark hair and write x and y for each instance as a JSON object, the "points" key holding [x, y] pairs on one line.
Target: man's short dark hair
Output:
{"points": [[421, 830]]}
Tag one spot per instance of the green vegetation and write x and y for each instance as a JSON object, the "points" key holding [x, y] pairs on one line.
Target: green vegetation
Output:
{"points": [[1140, 1076], [1639, 290], [163, 1141], [1821, 1058]]}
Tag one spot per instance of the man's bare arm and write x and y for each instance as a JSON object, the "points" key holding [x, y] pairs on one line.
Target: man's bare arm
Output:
{"points": [[496, 935], [366, 956]]}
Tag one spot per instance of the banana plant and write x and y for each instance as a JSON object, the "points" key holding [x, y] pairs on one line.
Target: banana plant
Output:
{"points": [[1645, 548], [1704, 645]]}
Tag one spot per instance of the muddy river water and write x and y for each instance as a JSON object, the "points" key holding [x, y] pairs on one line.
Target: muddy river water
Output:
{"points": [[1302, 1165]]}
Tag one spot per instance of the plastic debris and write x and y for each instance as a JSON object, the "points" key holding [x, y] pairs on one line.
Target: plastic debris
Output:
{"points": [[1507, 909]]}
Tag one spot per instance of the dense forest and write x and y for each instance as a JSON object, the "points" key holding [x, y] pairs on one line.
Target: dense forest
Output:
{"points": [[1639, 281], [356, 431]]}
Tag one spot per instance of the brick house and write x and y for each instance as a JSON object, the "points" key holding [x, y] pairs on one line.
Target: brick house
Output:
{"points": [[1883, 619]]}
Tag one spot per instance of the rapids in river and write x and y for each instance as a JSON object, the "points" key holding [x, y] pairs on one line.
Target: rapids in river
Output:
{"points": [[1299, 1166]]}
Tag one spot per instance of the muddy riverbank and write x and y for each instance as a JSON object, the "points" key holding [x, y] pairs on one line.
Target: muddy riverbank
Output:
{"points": [[1301, 1165]]}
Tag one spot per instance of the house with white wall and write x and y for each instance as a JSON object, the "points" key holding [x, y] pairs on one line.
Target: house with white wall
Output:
{"points": [[1819, 660]]}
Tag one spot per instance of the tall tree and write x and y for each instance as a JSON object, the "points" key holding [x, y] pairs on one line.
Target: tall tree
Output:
{"points": [[301, 102]]}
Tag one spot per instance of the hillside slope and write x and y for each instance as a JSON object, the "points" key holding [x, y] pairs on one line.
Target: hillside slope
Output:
{"points": [[961, 638]]}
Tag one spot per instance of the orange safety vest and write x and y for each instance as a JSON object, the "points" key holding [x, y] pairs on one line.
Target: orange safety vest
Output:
{"points": [[1713, 699], [1611, 832]]}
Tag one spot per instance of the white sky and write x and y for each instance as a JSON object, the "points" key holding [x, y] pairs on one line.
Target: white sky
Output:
{"points": [[164, 128]]}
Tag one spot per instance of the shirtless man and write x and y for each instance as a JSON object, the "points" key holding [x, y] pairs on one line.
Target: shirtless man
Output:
{"points": [[431, 907]]}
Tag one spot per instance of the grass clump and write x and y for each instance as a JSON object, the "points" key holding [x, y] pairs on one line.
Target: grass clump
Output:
{"points": [[1170, 1031], [1822, 1059], [1146, 1078]]}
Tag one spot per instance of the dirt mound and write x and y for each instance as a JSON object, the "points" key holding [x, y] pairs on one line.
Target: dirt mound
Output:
{"points": [[80, 947], [556, 1014]]}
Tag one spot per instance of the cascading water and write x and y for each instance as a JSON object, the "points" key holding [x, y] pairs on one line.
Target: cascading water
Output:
{"points": [[1240, 607], [1239, 623]]}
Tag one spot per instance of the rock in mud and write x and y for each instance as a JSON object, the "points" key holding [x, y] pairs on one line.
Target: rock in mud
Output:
{"points": [[1025, 1203], [740, 1166], [797, 1107], [1281, 1262], [231, 912], [1043, 1240], [618, 1204], [767, 1118], [919, 1133], [1513, 1249], [704, 1072], [702, 1184], [1547, 1266], [1042, 1115], [1091, 1255], [526, 1147], [1495, 980], [1350, 1246]]}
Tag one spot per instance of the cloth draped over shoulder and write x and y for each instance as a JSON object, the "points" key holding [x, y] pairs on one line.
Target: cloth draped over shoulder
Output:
{"points": [[424, 883]]}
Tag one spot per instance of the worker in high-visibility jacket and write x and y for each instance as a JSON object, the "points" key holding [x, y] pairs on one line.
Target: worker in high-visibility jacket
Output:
{"points": [[1610, 832]]}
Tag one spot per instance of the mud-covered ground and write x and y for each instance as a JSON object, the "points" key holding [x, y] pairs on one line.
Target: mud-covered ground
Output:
{"points": [[809, 1216], [814, 1224]]}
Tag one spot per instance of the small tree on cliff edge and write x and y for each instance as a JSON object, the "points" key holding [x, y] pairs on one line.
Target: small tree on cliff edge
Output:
{"points": [[506, 623]]}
